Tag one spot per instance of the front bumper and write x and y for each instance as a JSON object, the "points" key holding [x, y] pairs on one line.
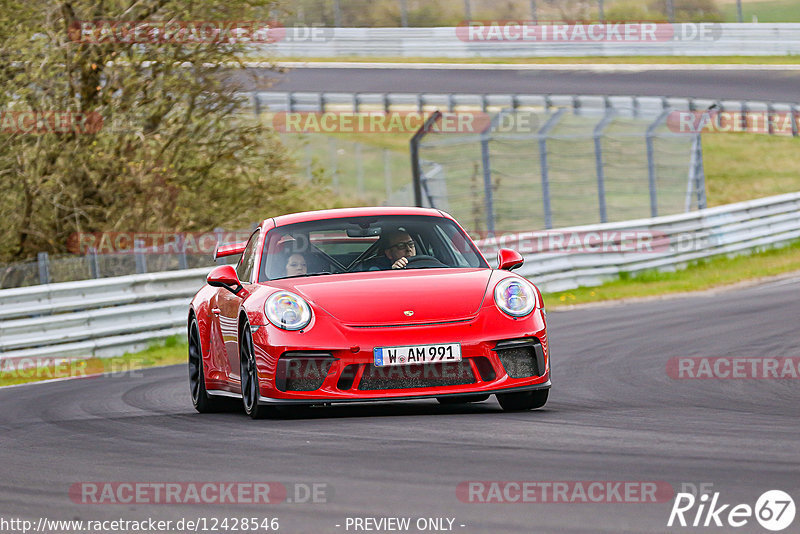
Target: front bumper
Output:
{"points": [[348, 373]]}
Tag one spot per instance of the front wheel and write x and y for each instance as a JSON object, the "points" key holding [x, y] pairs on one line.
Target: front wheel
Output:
{"points": [[524, 400], [202, 401], [249, 376]]}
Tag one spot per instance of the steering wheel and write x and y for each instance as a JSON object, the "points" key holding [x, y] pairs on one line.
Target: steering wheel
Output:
{"points": [[423, 260]]}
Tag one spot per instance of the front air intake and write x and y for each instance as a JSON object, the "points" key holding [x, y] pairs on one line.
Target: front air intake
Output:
{"points": [[521, 358], [425, 375], [302, 371]]}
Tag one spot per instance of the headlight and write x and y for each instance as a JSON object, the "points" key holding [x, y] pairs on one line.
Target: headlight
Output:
{"points": [[287, 310], [515, 297]]}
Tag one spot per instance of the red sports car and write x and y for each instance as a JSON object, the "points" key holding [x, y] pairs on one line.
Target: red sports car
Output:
{"points": [[366, 304]]}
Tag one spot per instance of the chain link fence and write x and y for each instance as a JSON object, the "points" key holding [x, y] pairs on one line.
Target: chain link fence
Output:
{"points": [[532, 170], [430, 13]]}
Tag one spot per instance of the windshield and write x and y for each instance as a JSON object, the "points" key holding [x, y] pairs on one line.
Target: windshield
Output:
{"points": [[356, 244]]}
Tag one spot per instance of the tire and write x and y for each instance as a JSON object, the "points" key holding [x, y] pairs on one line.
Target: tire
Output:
{"points": [[462, 399], [202, 401], [524, 400], [249, 377]]}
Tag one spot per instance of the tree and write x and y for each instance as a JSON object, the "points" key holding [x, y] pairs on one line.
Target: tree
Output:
{"points": [[163, 146]]}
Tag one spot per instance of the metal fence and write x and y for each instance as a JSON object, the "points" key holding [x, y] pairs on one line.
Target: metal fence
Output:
{"points": [[111, 316], [371, 13], [530, 170], [369, 174], [680, 39], [635, 106]]}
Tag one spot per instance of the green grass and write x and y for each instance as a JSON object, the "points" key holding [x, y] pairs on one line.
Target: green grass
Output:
{"points": [[168, 352], [612, 60], [697, 276], [744, 166], [775, 11]]}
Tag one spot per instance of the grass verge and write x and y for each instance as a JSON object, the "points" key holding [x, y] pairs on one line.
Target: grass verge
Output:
{"points": [[697, 276], [168, 352]]}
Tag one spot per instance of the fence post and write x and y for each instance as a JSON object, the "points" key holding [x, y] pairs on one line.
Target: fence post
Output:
{"points": [[542, 136], [487, 177], [290, 101], [416, 167], [404, 13], [256, 104], [94, 265], [387, 175], [794, 112], [309, 163], [138, 253], [334, 155], [770, 118], [700, 175], [745, 111], [337, 14], [534, 16], [323, 102], [182, 262], [602, 15], [359, 170], [218, 232], [651, 164], [467, 10], [44, 267], [598, 161]]}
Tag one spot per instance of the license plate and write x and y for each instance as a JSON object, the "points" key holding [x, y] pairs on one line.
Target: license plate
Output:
{"points": [[447, 352]]}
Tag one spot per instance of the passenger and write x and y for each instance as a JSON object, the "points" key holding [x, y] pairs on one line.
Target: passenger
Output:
{"points": [[296, 265]]}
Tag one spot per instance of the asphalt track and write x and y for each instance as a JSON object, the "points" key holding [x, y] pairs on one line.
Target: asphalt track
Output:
{"points": [[614, 414], [765, 85]]}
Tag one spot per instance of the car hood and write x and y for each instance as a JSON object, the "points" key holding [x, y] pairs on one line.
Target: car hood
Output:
{"points": [[386, 297]]}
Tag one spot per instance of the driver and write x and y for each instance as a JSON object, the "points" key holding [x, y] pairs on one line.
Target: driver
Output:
{"points": [[399, 248]]}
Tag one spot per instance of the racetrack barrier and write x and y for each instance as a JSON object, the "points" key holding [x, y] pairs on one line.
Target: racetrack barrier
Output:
{"points": [[107, 317]]}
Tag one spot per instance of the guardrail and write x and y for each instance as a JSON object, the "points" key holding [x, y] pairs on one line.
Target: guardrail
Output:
{"points": [[682, 39], [109, 316], [100, 318], [671, 241]]}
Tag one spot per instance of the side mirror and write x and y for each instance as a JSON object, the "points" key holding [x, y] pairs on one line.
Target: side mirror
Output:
{"points": [[508, 259], [225, 276]]}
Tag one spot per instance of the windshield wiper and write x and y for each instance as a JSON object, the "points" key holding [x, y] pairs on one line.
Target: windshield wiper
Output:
{"points": [[318, 273]]}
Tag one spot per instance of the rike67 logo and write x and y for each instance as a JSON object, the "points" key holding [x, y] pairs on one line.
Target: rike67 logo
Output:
{"points": [[774, 510]]}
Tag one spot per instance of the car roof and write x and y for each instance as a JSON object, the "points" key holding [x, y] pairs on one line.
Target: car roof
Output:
{"points": [[319, 215]]}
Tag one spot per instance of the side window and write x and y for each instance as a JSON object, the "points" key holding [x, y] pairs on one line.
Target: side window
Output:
{"points": [[245, 268]]}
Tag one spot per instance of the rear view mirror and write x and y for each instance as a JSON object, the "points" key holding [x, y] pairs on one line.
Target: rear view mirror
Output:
{"points": [[225, 276], [508, 260]]}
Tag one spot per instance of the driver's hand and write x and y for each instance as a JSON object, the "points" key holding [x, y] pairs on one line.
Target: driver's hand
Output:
{"points": [[400, 264]]}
